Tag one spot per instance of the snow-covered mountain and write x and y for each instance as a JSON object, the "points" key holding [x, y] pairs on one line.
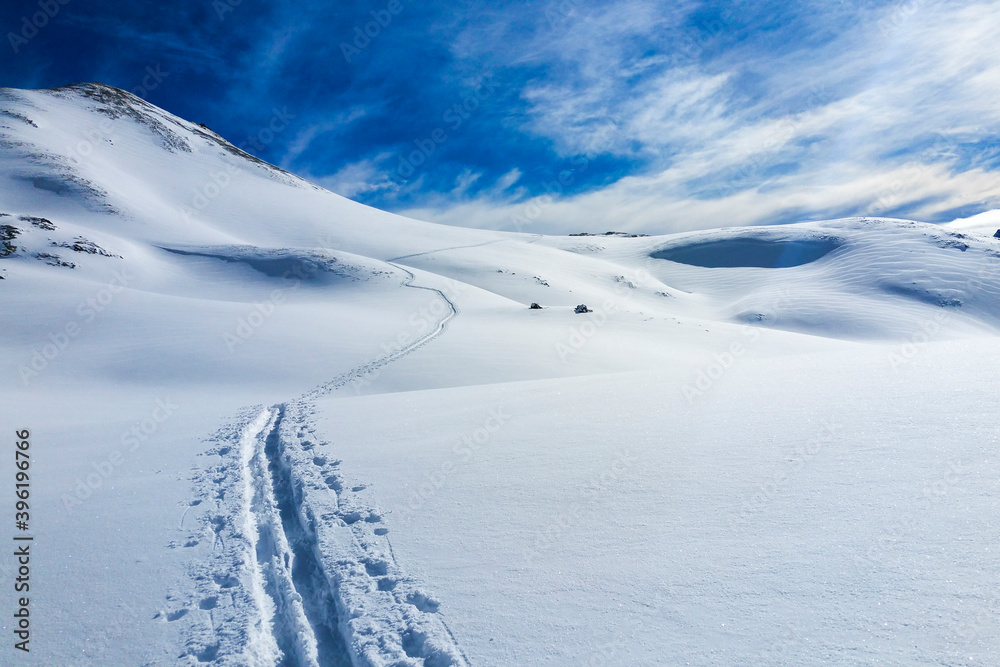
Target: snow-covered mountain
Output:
{"points": [[270, 425]]}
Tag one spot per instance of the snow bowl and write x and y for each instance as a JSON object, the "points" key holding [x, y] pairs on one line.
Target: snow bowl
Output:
{"points": [[749, 252], [288, 265]]}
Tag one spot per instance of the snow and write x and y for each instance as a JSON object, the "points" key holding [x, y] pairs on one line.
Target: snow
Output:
{"points": [[609, 521], [987, 223], [274, 426]]}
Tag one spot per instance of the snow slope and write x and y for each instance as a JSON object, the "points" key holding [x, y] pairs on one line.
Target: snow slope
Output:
{"points": [[274, 426]]}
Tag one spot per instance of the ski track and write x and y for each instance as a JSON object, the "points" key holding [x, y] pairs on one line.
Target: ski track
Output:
{"points": [[457, 247], [372, 366], [301, 572]]}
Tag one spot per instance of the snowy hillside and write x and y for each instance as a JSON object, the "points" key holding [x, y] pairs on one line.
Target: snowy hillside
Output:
{"points": [[272, 426]]}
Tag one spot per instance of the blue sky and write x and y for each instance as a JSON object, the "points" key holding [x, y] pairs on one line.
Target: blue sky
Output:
{"points": [[566, 115]]}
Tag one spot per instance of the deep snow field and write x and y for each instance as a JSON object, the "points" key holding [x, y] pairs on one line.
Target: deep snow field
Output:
{"points": [[271, 426]]}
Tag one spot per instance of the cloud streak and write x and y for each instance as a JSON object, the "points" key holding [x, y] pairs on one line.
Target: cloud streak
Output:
{"points": [[893, 117], [637, 115]]}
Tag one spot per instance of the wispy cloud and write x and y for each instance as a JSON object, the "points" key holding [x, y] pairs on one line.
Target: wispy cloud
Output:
{"points": [[879, 120], [357, 179]]}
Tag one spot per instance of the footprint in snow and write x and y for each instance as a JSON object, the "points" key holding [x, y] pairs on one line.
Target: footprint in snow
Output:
{"points": [[421, 601], [209, 654], [176, 615], [376, 568]]}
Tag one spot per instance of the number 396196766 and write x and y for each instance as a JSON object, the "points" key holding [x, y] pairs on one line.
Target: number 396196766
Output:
{"points": [[22, 483]]}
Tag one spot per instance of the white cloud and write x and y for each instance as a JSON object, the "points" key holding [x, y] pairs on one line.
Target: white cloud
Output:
{"points": [[841, 129], [639, 204], [304, 138], [508, 179], [358, 178], [464, 181]]}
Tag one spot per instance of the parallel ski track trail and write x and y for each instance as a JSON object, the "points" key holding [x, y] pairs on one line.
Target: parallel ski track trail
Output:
{"points": [[325, 581], [305, 619]]}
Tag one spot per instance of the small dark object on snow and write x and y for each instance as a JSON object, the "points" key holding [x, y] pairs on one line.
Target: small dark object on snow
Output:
{"points": [[997, 235], [582, 308], [53, 260], [7, 234], [534, 306], [41, 223], [81, 244]]}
